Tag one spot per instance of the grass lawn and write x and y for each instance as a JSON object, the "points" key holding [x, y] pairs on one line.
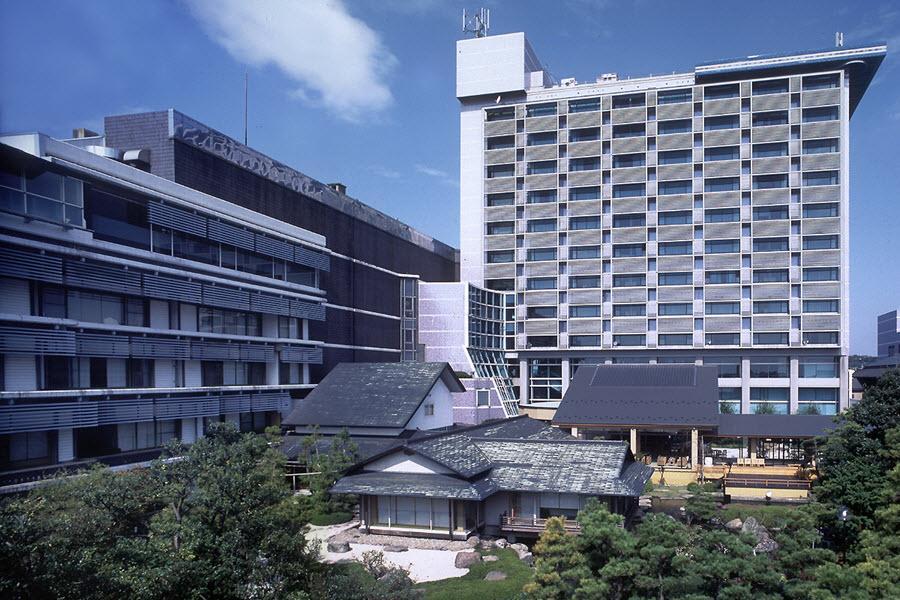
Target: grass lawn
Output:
{"points": [[472, 585]]}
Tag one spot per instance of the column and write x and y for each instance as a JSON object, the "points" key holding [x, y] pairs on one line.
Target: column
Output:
{"points": [[65, 445], [695, 448], [523, 381], [575, 432], [745, 386], [189, 430], [565, 375], [752, 442], [793, 392], [635, 441]]}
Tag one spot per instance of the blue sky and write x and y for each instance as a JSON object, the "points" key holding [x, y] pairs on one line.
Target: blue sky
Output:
{"points": [[362, 91]]}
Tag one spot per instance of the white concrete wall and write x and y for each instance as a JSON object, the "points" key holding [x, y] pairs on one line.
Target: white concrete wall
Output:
{"points": [[192, 373], [442, 324], [442, 400], [164, 373], [399, 462], [115, 372]]}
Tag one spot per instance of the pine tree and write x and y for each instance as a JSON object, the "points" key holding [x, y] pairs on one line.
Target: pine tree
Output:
{"points": [[559, 566]]}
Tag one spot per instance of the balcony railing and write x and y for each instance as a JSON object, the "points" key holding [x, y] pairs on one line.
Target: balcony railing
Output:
{"points": [[533, 524]]}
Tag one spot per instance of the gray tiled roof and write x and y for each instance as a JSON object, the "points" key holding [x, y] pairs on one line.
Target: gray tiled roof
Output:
{"points": [[413, 484], [371, 394], [454, 451], [623, 395]]}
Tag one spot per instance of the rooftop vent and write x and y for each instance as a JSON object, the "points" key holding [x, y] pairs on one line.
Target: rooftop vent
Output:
{"points": [[139, 159], [568, 82], [608, 77], [340, 188], [82, 132]]}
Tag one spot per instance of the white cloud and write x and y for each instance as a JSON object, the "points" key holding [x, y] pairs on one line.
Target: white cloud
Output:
{"points": [[336, 60], [431, 171], [383, 171]]}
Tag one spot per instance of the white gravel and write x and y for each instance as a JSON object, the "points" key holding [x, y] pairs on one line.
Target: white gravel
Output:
{"points": [[423, 565]]}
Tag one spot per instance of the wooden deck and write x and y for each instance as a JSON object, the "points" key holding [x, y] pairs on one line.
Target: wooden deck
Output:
{"points": [[527, 525]]}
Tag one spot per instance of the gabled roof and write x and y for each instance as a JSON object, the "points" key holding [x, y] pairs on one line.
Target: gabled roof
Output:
{"points": [[413, 484], [620, 395], [371, 395]]}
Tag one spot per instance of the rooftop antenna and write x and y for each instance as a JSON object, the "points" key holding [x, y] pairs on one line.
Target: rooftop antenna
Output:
{"points": [[839, 39], [246, 85], [478, 23]]}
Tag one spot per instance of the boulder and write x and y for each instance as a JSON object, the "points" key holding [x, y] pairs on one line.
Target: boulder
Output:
{"points": [[765, 545], [495, 576], [490, 558], [339, 547], [734, 525], [473, 541], [466, 559], [392, 548], [501, 543], [520, 549], [527, 558]]}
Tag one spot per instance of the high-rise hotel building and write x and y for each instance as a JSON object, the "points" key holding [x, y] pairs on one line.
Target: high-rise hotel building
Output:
{"points": [[696, 217]]}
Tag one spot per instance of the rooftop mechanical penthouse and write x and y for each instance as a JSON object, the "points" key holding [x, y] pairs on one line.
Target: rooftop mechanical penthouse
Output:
{"points": [[700, 217]]}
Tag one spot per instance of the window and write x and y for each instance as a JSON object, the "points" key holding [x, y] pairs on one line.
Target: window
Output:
{"points": [[482, 398], [675, 248], [770, 213], [819, 367], [676, 308], [722, 153], [541, 312], [95, 308], [541, 110], [586, 134], [729, 366], [769, 367], [820, 146], [429, 410], [630, 220], [624, 250], [545, 379], [821, 306], [675, 157], [582, 252], [584, 164], [769, 307], [28, 447], [820, 337], [678, 217], [820, 178], [723, 246], [501, 256], [584, 311], [729, 399], [544, 167], [722, 215], [584, 281], [584, 193], [626, 131], [815, 211], [767, 119], [719, 277], [820, 274], [501, 142], [505, 199], [539, 254], [667, 188], [52, 302], [770, 182], [770, 244], [501, 228], [723, 308], [584, 340], [722, 184], [772, 401], [540, 225], [629, 340], [723, 339], [773, 86], [584, 105], [579, 223], [675, 126], [675, 339], [770, 276], [820, 113], [58, 373], [770, 339], [629, 310], [629, 280], [500, 171], [820, 242], [674, 96], [139, 373], [628, 101], [629, 190], [770, 150], [136, 312], [500, 285], [678, 278], [817, 401], [219, 320], [821, 82], [115, 219], [629, 160], [47, 196], [723, 122], [500, 114], [719, 92], [541, 138], [540, 196], [541, 283]]}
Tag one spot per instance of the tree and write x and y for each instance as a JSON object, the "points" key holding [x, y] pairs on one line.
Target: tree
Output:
{"points": [[663, 556], [559, 566], [701, 506], [608, 549], [328, 467]]}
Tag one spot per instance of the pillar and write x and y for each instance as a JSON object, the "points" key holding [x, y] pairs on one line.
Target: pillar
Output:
{"points": [[65, 445], [635, 441], [189, 430], [565, 375], [523, 381], [695, 448], [752, 443], [575, 432]]}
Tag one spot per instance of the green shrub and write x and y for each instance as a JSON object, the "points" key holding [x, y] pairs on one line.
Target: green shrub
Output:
{"points": [[329, 518]]}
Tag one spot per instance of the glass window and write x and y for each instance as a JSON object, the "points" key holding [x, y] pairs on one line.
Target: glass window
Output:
{"points": [[540, 196], [584, 193], [770, 213], [675, 339], [630, 220], [722, 215], [582, 252], [770, 150], [820, 337], [52, 302], [625, 131], [545, 379], [770, 276], [623, 250], [675, 157], [541, 138], [500, 285], [114, 219], [820, 113], [678, 217], [820, 242], [501, 228], [577, 223], [584, 281], [722, 246], [674, 126], [541, 283], [820, 178], [585, 134], [500, 114], [501, 142], [584, 340], [629, 280], [95, 308], [825, 209], [584, 310], [769, 400], [629, 340], [770, 307], [769, 366], [678, 278], [820, 274], [629, 160], [676, 308], [584, 105], [628, 101], [629, 310], [500, 171], [191, 248], [482, 398], [820, 146], [729, 366], [821, 306], [730, 400], [629, 190], [769, 182], [821, 82], [723, 308], [539, 254], [722, 153], [767, 119], [667, 188], [817, 401], [584, 164], [718, 277], [541, 110], [819, 367], [674, 96], [772, 86], [543, 167], [718, 92], [501, 256], [504, 199], [136, 312], [723, 339], [723, 122], [675, 248], [770, 339], [541, 312], [722, 184], [770, 244]]}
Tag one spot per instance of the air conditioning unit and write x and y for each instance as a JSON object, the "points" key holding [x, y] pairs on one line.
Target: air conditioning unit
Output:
{"points": [[568, 82]]}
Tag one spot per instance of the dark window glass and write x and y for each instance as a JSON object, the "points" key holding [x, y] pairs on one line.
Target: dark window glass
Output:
{"points": [[820, 178], [678, 278], [675, 126], [675, 248], [501, 256], [584, 164], [586, 134], [678, 217], [674, 96], [676, 309], [820, 113], [630, 220], [544, 167], [576, 223], [723, 308], [541, 110], [829, 209], [581, 252], [773, 86], [623, 250], [821, 306], [541, 312], [718, 277], [584, 281], [541, 283], [539, 254], [541, 138], [770, 150], [629, 310], [718, 92], [722, 153], [584, 193], [584, 340], [820, 274], [629, 340], [770, 213], [503, 227], [586, 310], [820, 242], [629, 160], [501, 142], [767, 119], [770, 276], [723, 122], [723, 246], [584, 105], [624, 131], [500, 171], [770, 338], [770, 245], [52, 302], [629, 280], [667, 188], [505, 199], [770, 307], [821, 82], [500, 114], [540, 196], [820, 146], [723, 215], [115, 219], [629, 190], [769, 182], [675, 157], [724, 339], [676, 339], [722, 184], [628, 101]]}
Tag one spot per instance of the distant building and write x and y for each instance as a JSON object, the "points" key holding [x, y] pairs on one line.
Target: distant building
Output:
{"points": [[889, 334]]}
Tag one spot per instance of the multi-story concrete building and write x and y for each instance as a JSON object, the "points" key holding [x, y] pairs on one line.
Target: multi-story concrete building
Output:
{"points": [[697, 217], [889, 334]]}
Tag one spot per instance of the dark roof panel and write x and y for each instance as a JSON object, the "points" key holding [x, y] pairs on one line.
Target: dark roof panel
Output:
{"points": [[770, 426], [413, 484]]}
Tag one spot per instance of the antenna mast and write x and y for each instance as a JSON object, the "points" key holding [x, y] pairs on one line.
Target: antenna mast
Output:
{"points": [[478, 23], [246, 85], [839, 39]]}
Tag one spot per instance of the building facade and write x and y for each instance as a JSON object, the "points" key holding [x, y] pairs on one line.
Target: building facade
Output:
{"points": [[699, 217], [889, 334], [135, 310]]}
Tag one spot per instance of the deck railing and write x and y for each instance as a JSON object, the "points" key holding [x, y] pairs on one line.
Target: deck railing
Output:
{"points": [[533, 524]]}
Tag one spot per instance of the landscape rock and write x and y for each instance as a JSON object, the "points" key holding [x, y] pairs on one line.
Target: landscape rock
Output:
{"points": [[473, 541], [339, 547], [527, 558], [466, 559], [501, 543], [734, 525], [765, 545], [520, 549], [490, 558], [495, 576], [486, 543], [392, 548]]}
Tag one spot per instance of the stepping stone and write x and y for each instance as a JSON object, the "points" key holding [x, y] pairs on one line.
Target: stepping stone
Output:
{"points": [[490, 558], [339, 547], [495, 576]]}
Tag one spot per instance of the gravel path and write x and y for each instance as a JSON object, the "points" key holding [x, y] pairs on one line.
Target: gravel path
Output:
{"points": [[355, 536], [423, 565]]}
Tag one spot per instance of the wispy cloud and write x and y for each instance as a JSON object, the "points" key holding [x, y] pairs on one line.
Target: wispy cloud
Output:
{"points": [[438, 174], [383, 171], [336, 60]]}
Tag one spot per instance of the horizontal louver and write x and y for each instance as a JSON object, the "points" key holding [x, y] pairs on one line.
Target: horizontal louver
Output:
{"points": [[231, 234], [129, 410], [177, 219], [215, 351], [30, 265], [236, 404], [273, 247], [101, 344], [186, 408], [226, 297], [300, 354], [17, 418], [311, 258], [170, 288], [93, 276], [256, 353], [270, 401], [23, 340], [307, 310], [267, 303], [160, 348]]}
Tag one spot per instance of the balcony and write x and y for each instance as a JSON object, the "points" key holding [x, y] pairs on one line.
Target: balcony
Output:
{"points": [[533, 525]]}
